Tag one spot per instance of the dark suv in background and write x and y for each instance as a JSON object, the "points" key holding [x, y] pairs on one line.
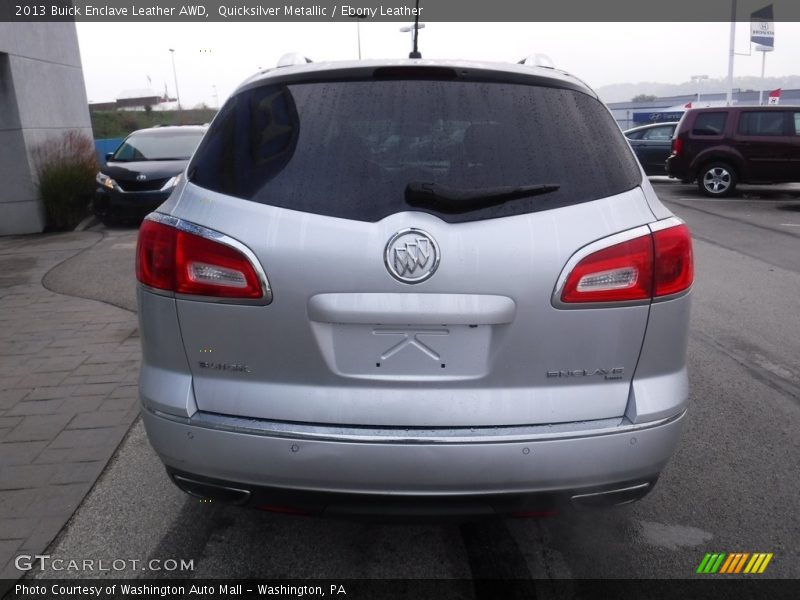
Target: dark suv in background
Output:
{"points": [[723, 146]]}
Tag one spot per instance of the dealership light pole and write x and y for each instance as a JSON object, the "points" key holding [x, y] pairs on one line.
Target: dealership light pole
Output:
{"points": [[697, 79], [763, 50], [358, 17], [175, 75], [729, 95]]}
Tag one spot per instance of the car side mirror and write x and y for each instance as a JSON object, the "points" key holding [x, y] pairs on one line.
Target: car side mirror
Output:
{"points": [[109, 155]]}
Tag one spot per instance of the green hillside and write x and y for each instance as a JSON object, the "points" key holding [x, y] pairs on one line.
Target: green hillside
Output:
{"points": [[119, 123]]}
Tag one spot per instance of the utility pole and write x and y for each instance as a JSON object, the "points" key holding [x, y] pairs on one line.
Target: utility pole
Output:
{"points": [[729, 96], [175, 75]]}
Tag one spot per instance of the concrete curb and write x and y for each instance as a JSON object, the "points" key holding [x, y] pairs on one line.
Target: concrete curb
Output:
{"points": [[89, 221]]}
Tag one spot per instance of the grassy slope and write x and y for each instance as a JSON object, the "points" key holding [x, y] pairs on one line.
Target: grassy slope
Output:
{"points": [[119, 123]]}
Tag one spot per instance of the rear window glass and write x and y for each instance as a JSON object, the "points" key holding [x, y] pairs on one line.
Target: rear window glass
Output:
{"points": [[348, 149], [658, 133], [761, 123], [709, 123], [161, 146]]}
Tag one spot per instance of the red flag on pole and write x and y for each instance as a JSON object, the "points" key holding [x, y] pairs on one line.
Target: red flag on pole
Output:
{"points": [[687, 105], [775, 96]]}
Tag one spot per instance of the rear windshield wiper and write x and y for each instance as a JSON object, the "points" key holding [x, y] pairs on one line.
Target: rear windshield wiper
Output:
{"points": [[457, 200]]}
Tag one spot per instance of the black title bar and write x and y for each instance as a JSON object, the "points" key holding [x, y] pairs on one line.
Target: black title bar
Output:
{"points": [[601, 11], [708, 588]]}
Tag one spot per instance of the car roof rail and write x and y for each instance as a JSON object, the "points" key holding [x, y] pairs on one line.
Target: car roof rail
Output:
{"points": [[291, 59], [538, 60]]}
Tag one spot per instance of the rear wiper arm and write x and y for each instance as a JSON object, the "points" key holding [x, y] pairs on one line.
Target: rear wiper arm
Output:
{"points": [[456, 200]]}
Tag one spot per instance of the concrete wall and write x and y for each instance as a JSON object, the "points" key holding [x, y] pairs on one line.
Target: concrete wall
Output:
{"points": [[42, 94]]}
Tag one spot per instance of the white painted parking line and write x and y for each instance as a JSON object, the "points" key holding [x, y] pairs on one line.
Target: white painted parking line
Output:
{"points": [[758, 199], [790, 224]]}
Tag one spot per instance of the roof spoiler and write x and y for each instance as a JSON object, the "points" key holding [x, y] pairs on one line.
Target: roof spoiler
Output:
{"points": [[292, 59], [537, 60]]}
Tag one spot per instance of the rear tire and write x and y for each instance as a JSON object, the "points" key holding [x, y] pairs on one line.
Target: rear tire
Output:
{"points": [[717, 179]]}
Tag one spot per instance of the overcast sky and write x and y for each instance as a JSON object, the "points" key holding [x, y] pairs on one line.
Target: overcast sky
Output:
{"points": [[209, 56]]}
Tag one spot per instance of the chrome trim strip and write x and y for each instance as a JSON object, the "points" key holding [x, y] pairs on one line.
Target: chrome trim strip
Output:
{"points": [[221, 238], [666, 224], [371, 435], [610, 492], [243, 500]]}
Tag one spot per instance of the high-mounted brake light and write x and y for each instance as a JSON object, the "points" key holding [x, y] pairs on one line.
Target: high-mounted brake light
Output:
{"points": [[649, 266], [169, 258]]}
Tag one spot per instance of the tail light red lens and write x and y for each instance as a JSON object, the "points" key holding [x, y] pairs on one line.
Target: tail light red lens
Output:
{"points": [[155, 255], [170, 259], [646, 267], [677, 146], [674, 264], [617, 273]]}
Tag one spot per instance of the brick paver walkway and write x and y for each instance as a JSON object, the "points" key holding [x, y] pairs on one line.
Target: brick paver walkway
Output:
{"points": [[68, 371]]}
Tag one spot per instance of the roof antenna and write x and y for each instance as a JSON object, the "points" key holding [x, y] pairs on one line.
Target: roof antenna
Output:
{"points": [[415, 53]]}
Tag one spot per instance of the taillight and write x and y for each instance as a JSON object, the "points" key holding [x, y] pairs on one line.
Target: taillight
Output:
{"points": [[172, 259], [674, 264], [155, 255], [643, 268], [618, 273], [677, 146]]}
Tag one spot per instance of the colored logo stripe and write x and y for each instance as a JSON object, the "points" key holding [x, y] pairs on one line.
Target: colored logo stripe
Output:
{"points": [[711, 563], [720, 562], [735, 562], [758, 563]]}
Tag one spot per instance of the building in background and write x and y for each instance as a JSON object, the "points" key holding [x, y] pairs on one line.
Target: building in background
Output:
{"points": [[42, 94], [670, 108], [145, 99]]}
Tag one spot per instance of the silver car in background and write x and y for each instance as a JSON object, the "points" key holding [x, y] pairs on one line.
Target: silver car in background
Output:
{"points": [[414, 288]]}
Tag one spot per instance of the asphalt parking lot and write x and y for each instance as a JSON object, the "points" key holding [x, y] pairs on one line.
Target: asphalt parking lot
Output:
{"points": [[731, 487]]}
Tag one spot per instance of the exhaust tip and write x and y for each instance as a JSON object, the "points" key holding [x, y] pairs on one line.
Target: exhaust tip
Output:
{"points": [[613, 497], [210, 491]]}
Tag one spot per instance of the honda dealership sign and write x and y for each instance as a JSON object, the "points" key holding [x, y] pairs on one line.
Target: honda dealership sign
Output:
{"points": [[762, 29]]}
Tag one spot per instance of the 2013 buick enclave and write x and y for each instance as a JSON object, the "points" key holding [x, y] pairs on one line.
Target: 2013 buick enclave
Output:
{"points": [[414, 288]]}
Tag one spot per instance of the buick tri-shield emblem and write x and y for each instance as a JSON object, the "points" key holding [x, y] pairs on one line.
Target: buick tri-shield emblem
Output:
{"points": [[411, 256]]}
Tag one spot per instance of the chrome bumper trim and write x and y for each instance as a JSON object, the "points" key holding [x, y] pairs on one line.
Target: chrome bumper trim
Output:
{"points": [[609, 494], [402, 435]]}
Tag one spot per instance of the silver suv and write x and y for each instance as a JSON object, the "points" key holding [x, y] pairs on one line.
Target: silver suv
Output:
{"points": [[414, 288]]}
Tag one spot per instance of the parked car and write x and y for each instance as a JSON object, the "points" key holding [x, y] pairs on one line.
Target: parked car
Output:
{"points": [[723, 146], [414, 288], [652, 145], [143, 171]]}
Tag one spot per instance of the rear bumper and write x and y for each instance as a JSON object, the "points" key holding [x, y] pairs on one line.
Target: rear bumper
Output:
{"points": [[329, 472], [678, 168], [134, 205]]}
